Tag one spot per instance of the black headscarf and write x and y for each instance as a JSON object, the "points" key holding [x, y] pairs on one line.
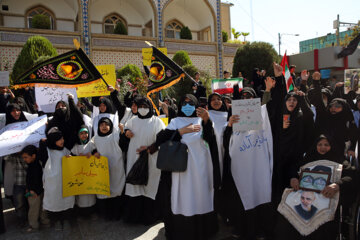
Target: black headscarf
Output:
{"points": [[314, 155], [295, 112], [144, 101], [222, 108], [108, 104], [248, 90], [9, 117], [22, 104], [53, 135], [78, 140], [292, 137], [62, 114], [182, 100], [109, 122]]}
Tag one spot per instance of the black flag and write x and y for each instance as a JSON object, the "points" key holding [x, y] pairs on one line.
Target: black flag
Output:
{"points": [[350, 49], [70, 69]]}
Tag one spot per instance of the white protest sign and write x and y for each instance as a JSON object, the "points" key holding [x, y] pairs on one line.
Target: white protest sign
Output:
{"points": [[249, 111], [15, 136], [113, 117], [47, 97], [4, 78]]}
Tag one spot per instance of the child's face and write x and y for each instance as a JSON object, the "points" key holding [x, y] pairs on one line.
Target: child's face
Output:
{"points": [[15, 113], [104, 128], [60, 142], [28, 158], [83, 135]]}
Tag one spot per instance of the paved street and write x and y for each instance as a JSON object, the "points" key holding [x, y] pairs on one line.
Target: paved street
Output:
{"points": [[89, 229]]}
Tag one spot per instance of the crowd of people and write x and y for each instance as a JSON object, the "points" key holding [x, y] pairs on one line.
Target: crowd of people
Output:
{"points": [[242, 187]]}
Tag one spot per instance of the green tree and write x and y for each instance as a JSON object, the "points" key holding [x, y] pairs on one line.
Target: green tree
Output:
{"points": [[120, 29], [245, 34], [225, 36], [40, 21], [185, 33], [235, 33], [182, 58], [257, 54], [41, 59], [184, 86], [34, 48], [134, 76]]}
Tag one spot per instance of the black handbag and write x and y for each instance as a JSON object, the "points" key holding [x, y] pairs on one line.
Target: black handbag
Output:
{"points": [[172, 156], [139, 173]]}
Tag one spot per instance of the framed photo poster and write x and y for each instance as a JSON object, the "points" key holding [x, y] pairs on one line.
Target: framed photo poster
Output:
{"points": [[314, 180]]}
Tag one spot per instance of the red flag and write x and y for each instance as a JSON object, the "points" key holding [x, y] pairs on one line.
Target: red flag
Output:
{"points": [[286, 72]]}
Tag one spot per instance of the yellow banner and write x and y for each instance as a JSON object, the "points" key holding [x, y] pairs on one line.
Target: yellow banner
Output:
{"points": [[82, 175], [98, 88], [147, 54]]}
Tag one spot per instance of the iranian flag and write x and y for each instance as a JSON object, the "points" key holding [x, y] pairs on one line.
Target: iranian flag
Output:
{"points": [[225, 86], [286, 73]]}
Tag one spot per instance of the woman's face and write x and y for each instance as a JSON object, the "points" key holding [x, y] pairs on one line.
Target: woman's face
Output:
{"points": [[102, 107], [134, 108], [323, 146], [104, 128], [60, 105], [15, 113], [246, 95], [60, 142], [83, 135], [335, 108], [291, 103], [216, 102]]}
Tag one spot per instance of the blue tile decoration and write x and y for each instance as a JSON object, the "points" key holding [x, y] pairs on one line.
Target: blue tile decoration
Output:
{"points": [[85, 27], [219, 38]]}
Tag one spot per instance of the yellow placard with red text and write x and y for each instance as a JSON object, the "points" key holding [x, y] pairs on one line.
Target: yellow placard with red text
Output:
{"points": [[99, 88], [82, 175]]}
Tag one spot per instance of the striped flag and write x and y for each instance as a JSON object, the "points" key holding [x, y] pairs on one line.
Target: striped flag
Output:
{"points": [[225, 86], [286, 73]]}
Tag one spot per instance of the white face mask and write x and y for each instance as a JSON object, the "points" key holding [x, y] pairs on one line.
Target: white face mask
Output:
{"points": [[143, 111]]}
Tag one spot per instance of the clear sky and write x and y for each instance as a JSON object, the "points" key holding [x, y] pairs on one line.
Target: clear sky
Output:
{"points": [[309, 18]]}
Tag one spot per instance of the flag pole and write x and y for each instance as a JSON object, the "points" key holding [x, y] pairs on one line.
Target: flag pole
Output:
{"points": [[77, 46]]}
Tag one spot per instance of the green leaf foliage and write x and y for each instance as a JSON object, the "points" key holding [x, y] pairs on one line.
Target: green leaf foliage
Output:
{"points": [[120, 29], [129, 69], [185, 33], [182, 58], [34, 48], [185, 85], [41, 21], [134, 76], [255, 55], [225, 36]]}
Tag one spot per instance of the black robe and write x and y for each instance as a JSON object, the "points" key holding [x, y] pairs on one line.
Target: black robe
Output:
{"points": [[284, 230]]}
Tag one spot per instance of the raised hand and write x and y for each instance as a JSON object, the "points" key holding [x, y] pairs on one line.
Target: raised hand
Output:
{"points": [[269, 83], [316, 76], [203, 113], [278, 70], [305, 75], [110, 88]]}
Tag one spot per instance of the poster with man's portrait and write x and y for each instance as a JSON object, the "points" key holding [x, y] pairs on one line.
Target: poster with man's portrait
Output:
{"points": [[307, 209], [351, 80]]}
